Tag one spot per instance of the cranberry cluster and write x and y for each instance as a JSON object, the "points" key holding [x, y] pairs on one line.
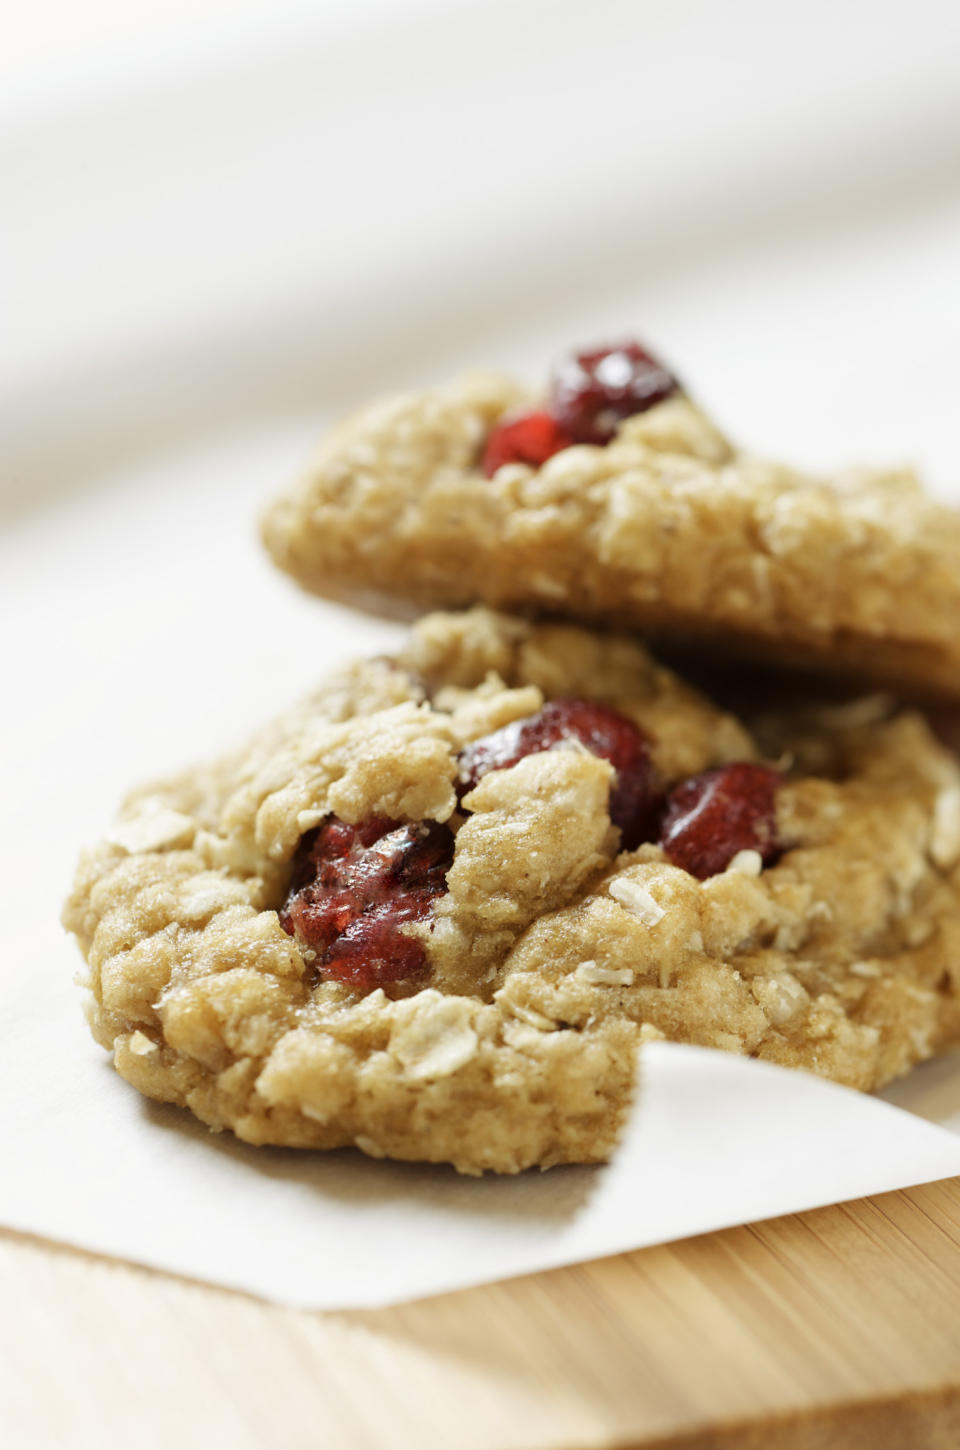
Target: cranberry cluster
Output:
{"points": [[590, 395], [354, 887]]}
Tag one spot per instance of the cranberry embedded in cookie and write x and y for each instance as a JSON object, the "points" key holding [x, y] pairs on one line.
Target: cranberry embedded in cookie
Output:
{"points": [[591, 394], [594, 391], [602, 731], [354, 886], [713, 816], [529, 438]]}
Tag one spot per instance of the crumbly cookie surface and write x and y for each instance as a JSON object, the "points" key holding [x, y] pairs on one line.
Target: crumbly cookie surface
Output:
{"points": [[668, 528], [552, 954]]}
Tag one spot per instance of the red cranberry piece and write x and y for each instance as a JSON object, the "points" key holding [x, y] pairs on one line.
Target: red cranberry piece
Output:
{"points": [[530, 438], [592, 392], [712, 816], [354, 886], [604, 732], [373, 952]]}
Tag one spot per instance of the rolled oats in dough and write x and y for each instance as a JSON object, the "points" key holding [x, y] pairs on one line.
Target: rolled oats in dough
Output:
{"points": [[551, 954], [668, 529]]}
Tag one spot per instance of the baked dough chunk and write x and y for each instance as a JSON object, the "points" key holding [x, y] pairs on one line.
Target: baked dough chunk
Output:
{"points": [[666, 528], [544, 952]]}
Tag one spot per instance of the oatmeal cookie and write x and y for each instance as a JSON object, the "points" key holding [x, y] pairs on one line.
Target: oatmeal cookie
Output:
{"points": [[433, 910], [618, 502]]}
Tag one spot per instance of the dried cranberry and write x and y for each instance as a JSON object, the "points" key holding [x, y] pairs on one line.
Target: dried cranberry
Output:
{"points": [[712, 816], [530, 438], [592, 392], [354, 886], [604, 732]]}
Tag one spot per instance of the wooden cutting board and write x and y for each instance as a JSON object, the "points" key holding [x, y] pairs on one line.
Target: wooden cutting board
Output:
{"points": [[837, 1328]]}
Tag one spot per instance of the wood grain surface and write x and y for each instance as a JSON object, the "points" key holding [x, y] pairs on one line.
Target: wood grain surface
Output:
{"points": [[837, 1328]]}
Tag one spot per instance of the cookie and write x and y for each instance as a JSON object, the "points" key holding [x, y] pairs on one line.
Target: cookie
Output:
{"points": [[619, 502], [434, 910]]}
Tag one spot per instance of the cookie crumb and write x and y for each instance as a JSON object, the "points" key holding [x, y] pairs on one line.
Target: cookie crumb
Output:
{"points": [[599, 976], [649, 1033], [856, 714], [369, 1146], [945, 831], [637, 900], [433, 1036], [530, 1017], [140, 1044], [746, 863], [155, 827], [781, 997]]}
